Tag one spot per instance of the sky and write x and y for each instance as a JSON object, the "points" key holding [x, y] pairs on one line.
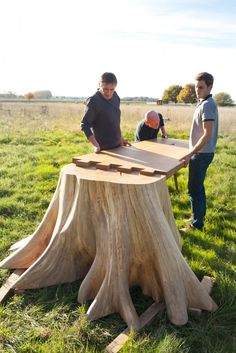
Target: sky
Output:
{"points": [[65, 45]]}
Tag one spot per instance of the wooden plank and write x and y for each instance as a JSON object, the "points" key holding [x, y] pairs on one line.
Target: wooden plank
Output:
{"points": [[118, 342], [85, 163], [103, 166], [174, 170], [207, 282], [172, 148], [144, 157], [149, 171], [125, 168], [74, 159], [148, 315], [145, 319], [173, 142], [7, 291], [107, 166], [161, 156], [112, 175]]}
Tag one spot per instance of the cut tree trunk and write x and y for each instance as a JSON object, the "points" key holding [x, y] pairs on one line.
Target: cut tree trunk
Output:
{"points": [[114, 234], [112, 230]]}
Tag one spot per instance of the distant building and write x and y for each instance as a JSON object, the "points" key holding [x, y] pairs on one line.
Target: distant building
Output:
{"points": [[8, 95], [42, 94], [159, 101]]}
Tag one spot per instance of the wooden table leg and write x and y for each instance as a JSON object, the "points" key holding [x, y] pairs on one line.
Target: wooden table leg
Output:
{"points": [[176, 182]]}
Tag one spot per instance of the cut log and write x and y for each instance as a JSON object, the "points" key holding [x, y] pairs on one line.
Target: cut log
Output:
{"points": [[113, 231]]}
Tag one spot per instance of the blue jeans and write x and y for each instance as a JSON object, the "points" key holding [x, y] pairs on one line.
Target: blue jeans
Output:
{"points": [[197, 172]]}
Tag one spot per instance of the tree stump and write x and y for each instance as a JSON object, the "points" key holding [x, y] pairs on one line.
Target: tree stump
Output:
{"points": [[113, 230]]}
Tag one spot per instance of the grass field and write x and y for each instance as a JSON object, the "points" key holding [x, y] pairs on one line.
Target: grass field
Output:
{"points": [[36, 140]]}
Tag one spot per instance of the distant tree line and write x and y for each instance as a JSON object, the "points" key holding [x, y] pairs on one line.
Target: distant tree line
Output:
{"points": [[8, 95], [187, 94], [44, 94], [223, 99], [139, 99], [173, 94]]}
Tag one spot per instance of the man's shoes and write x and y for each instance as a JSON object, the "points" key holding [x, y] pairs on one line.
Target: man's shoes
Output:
{"points": [[189, 228]]}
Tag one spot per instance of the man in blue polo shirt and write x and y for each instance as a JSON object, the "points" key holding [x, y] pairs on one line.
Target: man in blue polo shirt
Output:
{"points": [[203, 138]]}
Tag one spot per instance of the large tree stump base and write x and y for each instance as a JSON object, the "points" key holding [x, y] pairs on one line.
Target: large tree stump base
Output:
{"points": [[147, 317], [114, 231]]}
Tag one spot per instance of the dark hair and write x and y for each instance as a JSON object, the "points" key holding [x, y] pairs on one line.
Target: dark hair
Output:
{"points": [[206, 77], [108, 77]]}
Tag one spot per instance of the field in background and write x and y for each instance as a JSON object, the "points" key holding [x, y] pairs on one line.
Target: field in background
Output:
{"points": [[36, 140], [178, 118], [35, 115]]}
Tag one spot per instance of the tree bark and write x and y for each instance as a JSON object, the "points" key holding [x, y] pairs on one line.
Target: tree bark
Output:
{"points": [[114, 231]]}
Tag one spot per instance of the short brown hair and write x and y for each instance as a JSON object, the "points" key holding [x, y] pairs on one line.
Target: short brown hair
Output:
{"points": [[108, 77], [206, 77]]}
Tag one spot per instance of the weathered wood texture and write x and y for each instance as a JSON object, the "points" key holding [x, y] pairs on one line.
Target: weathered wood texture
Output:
{"points": [[112, 230]]}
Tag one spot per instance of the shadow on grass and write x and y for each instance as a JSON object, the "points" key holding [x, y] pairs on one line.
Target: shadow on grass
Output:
{"points": [[62, 300], [66, 295]]}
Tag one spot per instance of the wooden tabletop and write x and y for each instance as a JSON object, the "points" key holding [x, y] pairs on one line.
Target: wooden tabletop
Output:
{"points": [[147, 157]]}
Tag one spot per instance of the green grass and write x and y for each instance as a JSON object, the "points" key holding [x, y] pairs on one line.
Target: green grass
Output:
{"points": [[50, 319]]}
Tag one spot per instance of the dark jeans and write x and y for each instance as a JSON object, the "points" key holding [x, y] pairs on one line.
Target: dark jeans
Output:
{"points": [[197, 172]]}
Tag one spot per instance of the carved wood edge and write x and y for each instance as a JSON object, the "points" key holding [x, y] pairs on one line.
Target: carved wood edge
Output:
{"points": [[123, 168], [120, 168], [7, 291], [146, 318]]}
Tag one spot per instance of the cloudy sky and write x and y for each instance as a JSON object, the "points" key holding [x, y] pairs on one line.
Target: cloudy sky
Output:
{"points": [[64, 45]]}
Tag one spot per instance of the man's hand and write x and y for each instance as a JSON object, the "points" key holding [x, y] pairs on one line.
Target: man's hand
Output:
{"points": [[207, 133], [95, 144], [186, 159], [97, 149], [124, 142]]}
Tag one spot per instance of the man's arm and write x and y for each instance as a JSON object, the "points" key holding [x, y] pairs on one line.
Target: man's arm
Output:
{"points": [[94, 142], [87, 123], [163, 132], [162, 126], [207, 134]]}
